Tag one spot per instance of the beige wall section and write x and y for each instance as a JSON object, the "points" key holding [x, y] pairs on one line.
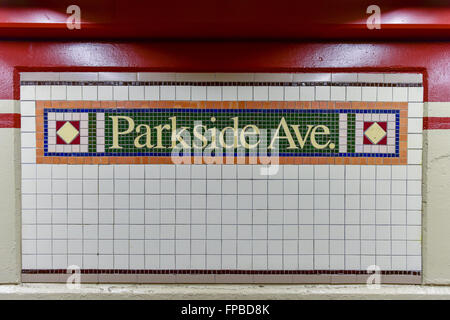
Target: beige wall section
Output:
{"points": [[10, 214], [436, 199], [437, 109]]}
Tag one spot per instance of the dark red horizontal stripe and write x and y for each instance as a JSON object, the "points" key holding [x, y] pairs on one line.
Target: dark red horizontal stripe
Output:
{"points": [[436, 123], [188, 271], [9, 120], [250, 19], [12, 120]]}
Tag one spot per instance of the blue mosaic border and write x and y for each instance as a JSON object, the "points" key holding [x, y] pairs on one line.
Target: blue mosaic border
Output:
{"points": [[235, 154]]}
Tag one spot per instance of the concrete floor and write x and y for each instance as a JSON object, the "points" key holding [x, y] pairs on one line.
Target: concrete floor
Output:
{"points": [[192, 292]]}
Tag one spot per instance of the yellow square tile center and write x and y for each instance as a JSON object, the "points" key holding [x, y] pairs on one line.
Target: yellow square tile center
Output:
{"points": [[67, 132], [375, 133]]}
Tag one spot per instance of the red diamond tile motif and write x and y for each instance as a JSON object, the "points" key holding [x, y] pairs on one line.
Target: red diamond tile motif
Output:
{"points": [[68, 132], [375, 133]]}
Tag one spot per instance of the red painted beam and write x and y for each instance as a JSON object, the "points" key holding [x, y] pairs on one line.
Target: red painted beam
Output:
{"points": [[329, 32], [433, 59], [231, 19]]}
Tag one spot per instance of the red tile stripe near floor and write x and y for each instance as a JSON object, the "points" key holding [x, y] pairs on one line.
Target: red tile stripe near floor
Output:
{"points": [[436, 123], [286, 272], [9, 120]]}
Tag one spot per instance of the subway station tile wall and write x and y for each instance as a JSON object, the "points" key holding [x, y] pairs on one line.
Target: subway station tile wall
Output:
{"points": [[101, 192]]}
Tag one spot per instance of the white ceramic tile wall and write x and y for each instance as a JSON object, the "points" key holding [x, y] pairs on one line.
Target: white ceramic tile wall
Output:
{"points": [[225, 93], [322, 217]]}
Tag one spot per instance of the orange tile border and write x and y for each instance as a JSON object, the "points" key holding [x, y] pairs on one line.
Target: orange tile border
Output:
{"points": [[401, 160]]}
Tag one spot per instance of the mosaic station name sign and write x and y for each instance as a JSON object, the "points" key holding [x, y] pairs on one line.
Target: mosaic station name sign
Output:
{"points": [[163, 132], [230, 137]]}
